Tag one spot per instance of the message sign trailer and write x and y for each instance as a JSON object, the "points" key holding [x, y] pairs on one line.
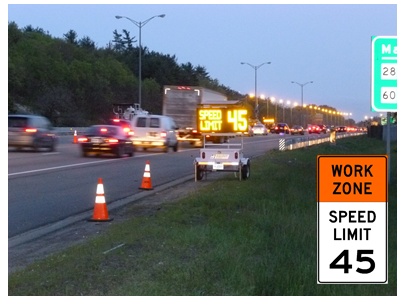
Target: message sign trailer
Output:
{"points": [[384, 74], [352, 219]]}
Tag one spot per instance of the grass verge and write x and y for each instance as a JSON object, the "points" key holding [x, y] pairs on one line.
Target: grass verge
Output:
{"points": [[255, 237]]}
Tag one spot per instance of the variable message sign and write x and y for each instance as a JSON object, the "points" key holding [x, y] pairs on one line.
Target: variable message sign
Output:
{"points": [[222, 120]]}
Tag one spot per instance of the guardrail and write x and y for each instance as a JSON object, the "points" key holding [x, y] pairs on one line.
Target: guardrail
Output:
{"points": [[290, 144], [62, 131]]}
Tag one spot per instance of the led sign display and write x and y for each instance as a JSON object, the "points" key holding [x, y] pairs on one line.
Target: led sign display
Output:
{"points": [[222, 120]]}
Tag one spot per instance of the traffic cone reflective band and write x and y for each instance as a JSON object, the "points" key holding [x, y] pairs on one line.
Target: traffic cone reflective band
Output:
{"points": [[146, 183], [75, 137], [100, 208]]}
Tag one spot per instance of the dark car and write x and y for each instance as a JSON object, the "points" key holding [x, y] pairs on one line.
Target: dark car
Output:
{"points": [[317, 129], [297, 130], [107, 139], [282, 128], [341, 129], [33, 131]]}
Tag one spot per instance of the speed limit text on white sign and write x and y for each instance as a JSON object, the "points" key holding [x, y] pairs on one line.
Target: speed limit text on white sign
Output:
{"points": [[352, 219]]}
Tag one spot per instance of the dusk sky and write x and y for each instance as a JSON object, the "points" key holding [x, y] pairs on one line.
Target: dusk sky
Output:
{"points": [[327, 44]]}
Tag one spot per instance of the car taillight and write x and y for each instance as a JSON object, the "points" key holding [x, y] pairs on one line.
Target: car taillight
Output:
{"points": [[194, 131], [276, 128], [103, 130], [317, 128], [163, 134], [131, 133], [112, 141], [31, 130], [126, 129], [116, 120], [82, 140]]}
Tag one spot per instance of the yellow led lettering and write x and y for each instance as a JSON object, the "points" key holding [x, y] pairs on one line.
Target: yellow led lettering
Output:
{"points": [[233, 119], [242, 114]]}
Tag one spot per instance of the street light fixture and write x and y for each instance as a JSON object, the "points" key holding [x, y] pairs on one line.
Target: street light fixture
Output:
{"points": [[255, 79], [140, 25]]}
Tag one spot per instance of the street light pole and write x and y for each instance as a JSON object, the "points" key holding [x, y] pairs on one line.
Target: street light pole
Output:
{"points": [[302, 85], [140, 25], [255, 82]]}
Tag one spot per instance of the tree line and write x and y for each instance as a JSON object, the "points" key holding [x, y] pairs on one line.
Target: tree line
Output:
{"points": [[74, 83]]}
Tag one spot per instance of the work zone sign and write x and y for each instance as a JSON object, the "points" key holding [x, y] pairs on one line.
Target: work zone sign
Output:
{"points": [[352, 219]]}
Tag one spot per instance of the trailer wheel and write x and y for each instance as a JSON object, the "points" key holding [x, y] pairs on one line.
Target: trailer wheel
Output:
{"points": [[246, 171], [199, 173]]}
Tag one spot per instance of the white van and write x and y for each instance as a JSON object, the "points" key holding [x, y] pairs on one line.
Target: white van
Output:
{"points": [[154, 131]]}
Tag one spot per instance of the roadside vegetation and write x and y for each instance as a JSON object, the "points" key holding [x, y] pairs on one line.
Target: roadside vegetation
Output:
{"points": [[74, 82], [254, 237]]}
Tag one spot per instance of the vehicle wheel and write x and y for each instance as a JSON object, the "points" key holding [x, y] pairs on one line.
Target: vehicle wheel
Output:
{"points": [[246, 171], [36, 145], [120, 151], [131, 152], [176, 146], [52, 147], [199, 173]]}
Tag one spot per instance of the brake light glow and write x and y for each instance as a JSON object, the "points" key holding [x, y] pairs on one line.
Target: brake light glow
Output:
{"points": [[116, 120], [163, 134], [126, 129], [112, 141], [194, 131], [82, 140], [31, 130], [103, 130]]}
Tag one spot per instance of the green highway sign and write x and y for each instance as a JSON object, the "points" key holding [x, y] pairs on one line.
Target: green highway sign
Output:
{"points": [[384, 74]]}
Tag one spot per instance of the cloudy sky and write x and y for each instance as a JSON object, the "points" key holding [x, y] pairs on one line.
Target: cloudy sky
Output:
{"points": [[327, 44]]}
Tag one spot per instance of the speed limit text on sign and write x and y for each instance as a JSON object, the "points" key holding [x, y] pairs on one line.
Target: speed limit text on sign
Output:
{"points": [[352, 219]]}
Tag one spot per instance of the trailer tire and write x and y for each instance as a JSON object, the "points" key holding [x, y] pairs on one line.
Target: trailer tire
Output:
{"points": [[246, 171], [199, 173]]}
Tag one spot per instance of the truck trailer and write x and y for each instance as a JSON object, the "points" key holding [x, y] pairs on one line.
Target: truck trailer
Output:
{"points": [[181, 104]]}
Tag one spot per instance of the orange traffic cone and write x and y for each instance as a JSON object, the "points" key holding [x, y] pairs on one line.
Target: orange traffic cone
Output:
{"points": [[75, 137], [100, 208], [146, 183]]}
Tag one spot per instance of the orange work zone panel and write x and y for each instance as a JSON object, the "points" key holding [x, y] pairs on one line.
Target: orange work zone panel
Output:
{"points": [[352, 178]]}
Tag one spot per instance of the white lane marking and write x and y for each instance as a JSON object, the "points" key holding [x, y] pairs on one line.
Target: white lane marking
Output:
{"points": [[86, 163]]}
